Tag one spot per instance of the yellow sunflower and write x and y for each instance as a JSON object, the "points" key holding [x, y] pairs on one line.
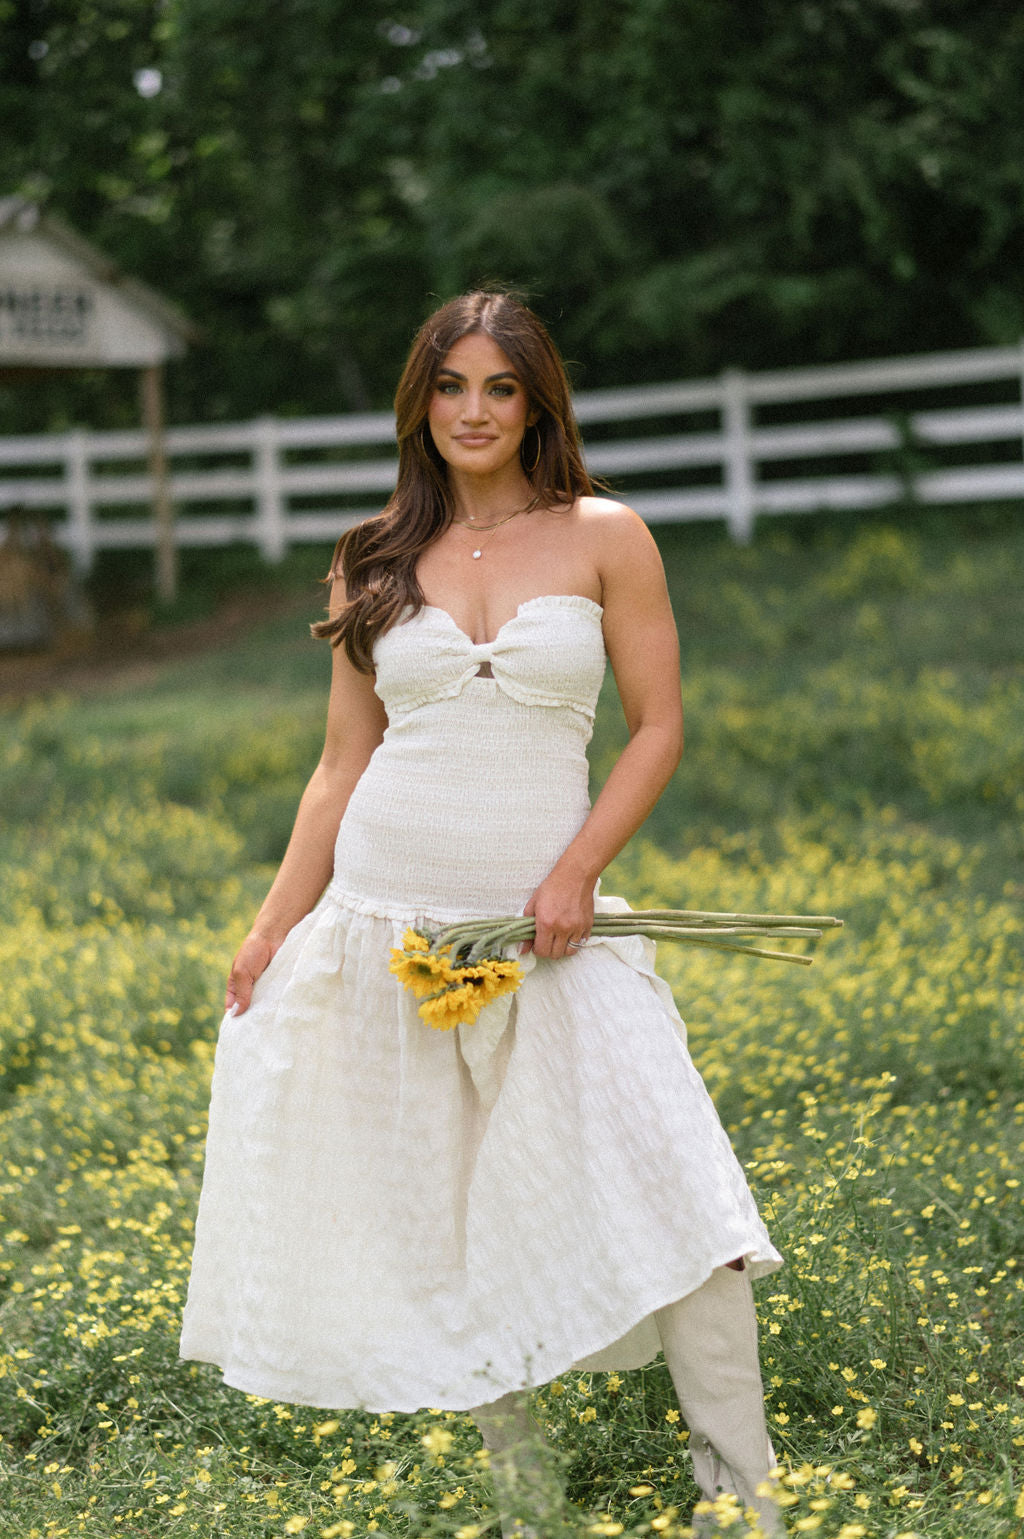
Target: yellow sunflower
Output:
{"points": [[471, 988], [458, 1005], [422, 971]]}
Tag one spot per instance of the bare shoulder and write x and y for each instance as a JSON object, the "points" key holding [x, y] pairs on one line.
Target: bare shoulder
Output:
{"points": [[622, 546], [613, 523], [607, 513]]}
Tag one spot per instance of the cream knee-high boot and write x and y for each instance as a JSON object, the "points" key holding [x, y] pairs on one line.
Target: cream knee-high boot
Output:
{"points": [[710, 1344], [523, 1483]]}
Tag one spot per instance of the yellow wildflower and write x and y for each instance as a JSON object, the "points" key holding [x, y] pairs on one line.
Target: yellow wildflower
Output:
{"points": [[438, 1440]]}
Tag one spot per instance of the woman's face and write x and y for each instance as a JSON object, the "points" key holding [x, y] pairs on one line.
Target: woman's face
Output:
{"points": [[478, 409]]}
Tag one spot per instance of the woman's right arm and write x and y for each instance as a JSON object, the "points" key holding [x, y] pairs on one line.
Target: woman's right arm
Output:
{"points": [[355, 726]]}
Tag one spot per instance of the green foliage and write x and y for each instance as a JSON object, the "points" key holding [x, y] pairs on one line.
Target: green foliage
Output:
{"points": [[679, 185], [56, 870], [834, 668]]}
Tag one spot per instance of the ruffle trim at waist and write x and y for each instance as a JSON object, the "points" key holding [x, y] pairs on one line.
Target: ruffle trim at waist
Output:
{"points": [[405, 912], [479, 1043]]}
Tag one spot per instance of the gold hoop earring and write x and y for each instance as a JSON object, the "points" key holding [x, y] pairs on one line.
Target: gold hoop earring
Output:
{"points": [[536, 459]]}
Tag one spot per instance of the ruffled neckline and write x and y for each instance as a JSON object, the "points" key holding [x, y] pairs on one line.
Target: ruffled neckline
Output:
{"points": [[550, 652], [577, 601]]}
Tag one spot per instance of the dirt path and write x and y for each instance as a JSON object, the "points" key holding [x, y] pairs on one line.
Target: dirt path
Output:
{"points": [[129, 652]]}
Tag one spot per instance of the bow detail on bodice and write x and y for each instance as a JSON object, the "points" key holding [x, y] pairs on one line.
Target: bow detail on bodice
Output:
{"points": [[551, 652]]}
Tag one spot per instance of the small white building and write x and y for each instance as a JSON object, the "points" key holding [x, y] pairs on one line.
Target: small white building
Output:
{"points": [[65, 305]]}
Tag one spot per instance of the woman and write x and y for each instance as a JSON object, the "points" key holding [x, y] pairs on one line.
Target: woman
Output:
{"points": [[394, 1217]]}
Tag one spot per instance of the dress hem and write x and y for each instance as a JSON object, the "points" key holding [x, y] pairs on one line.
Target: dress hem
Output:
{"points": [[759, 1265]]}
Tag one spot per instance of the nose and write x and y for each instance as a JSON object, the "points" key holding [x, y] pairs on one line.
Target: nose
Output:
{"points": [[474, 406]]}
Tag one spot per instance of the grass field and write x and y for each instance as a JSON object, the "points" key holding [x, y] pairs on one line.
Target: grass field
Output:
{"points": [[855, 700]]}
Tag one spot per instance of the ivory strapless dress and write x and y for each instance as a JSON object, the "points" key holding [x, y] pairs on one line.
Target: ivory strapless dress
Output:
{"points": [[394, 1217]]}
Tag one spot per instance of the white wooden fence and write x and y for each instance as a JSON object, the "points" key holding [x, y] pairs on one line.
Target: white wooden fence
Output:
{"points": [[936, 429]]}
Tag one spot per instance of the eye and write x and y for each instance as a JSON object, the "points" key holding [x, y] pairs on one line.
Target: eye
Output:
{"points": [[503, 390], [447, 387]]}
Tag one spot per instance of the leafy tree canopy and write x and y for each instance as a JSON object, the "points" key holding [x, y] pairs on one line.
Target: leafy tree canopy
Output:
{"points": [[677, 184]]}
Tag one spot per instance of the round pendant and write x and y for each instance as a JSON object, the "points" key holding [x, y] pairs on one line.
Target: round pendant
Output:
{"points": [[477, 554]]}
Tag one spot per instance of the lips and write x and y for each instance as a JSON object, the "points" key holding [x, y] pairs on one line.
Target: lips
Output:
{"points": [[473, 440]]}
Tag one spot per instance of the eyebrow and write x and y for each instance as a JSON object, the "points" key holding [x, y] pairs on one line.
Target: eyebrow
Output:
{"points": [[454, 374]]}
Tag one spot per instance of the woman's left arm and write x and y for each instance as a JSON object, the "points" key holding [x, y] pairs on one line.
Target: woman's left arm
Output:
{"points": [[640, 637]]}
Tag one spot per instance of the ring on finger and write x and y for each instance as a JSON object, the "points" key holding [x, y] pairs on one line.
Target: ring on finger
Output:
{"points": [[576, 944]]}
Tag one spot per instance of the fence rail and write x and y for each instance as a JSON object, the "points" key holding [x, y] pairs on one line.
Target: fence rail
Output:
{"points": [[849, 436]]}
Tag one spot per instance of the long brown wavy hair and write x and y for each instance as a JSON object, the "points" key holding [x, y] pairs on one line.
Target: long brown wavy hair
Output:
{"points": [[377, 559]]}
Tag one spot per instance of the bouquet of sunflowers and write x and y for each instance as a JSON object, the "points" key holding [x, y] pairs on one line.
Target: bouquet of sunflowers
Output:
{"points": [[456, 971]]}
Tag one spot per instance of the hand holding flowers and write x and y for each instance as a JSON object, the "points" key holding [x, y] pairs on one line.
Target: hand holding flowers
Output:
{"points": [[458, 970]]}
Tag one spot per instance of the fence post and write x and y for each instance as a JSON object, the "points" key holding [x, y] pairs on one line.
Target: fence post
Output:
{"points": [[76, 476], [739, 472], [271, 533], [151, 385]]}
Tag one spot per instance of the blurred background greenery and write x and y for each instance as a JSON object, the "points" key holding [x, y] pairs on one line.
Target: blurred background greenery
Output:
{"points": [[677, 184]]}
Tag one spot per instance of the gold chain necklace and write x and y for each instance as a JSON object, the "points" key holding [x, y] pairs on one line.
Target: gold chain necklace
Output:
{"points": [[486, 528]]}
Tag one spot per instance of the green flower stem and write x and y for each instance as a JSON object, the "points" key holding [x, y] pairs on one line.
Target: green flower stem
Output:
{"points": [[753, 951], [699, 927], [639, 917], [823, 921], [682, 932], [489, 932]]}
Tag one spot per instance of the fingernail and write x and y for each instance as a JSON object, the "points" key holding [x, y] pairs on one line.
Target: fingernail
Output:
{"points": [[234, 1009]]}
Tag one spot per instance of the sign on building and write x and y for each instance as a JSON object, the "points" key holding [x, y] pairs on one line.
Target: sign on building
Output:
{"points": [[63, 304]]}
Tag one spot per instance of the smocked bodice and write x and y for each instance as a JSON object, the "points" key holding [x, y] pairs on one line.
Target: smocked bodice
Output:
{"points": [[550, 653], [504, 752]]}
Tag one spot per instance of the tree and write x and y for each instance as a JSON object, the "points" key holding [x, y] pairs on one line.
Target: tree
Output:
{"points": [[678, 184]]}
